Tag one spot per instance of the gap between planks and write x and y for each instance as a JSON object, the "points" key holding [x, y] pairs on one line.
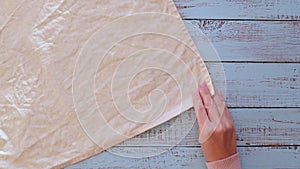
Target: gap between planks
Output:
{"points": [[254, 127], [249, 41], [185, 158], [257, 84]]}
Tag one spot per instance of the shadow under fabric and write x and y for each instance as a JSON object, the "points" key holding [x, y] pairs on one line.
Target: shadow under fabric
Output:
{"points": [[78, 77]]}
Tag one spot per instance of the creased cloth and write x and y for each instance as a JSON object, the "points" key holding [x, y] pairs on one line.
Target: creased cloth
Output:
{"points": [[231, 162], [78, 77]]}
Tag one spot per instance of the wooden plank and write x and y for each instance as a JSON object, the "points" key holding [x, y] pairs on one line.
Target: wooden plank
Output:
{"points": [[273, 41], [254, 127], [251, 85], [258, 84], [239, 9], [185, 158]]}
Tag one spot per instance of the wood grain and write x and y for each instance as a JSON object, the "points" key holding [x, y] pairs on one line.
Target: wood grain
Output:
{"points": [[253, 41], [239, 9], [185, 158], [259, 84], [254, 127], [259, 44], [249, 85]]}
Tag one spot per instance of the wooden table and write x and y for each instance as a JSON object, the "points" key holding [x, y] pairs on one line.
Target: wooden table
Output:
{"points": [[259, 45]]}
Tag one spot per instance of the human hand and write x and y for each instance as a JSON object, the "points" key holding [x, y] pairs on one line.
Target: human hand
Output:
{"points": [[216, 128]]}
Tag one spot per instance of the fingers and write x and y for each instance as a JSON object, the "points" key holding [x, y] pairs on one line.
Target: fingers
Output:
{"points": [[209, 104], [200, 111], [221, 105], [205, 95], [219, 101]]}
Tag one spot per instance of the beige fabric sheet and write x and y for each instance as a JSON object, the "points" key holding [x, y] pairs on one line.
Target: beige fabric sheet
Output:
{"points": [[78, 77]]}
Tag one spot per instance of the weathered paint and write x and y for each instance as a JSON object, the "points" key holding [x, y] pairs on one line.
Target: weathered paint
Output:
{"points": [[252, 41], [259, 84], [264, 97], [254, 127], [239, 9], [287, 157]]}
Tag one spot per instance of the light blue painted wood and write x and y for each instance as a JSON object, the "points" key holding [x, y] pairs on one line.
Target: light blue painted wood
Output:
{"points": [[259, 84], [192, 158], [249, 85], [254, 127], [239, 9], [273, 41]]}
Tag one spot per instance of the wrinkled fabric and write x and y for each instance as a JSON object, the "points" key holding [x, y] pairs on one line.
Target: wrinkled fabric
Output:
{"points": [[231, 162], [48, 116]]}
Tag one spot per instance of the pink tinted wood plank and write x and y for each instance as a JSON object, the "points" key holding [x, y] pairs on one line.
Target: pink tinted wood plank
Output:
{"points": [[192, 157], [273, 41], [254, 127], [239, 9]]}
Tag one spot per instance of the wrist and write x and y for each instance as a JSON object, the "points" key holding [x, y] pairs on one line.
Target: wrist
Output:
{"points": [[231, 162], [214, 152]]}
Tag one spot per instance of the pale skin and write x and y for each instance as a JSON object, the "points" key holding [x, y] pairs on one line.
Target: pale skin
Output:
{"points": [[216, 127]]}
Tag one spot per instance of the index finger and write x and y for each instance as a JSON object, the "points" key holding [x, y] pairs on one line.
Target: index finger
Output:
{"points": [[200, 111], [209, 104]]}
